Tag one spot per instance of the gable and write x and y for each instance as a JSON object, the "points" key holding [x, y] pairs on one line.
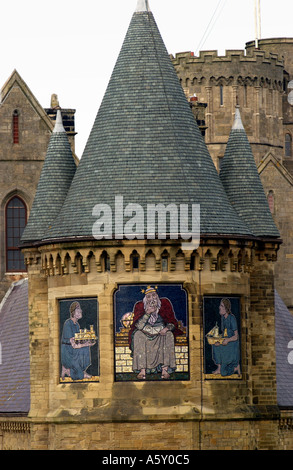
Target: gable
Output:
{"points": [[16, 82], [271, 162], [34, 126]]}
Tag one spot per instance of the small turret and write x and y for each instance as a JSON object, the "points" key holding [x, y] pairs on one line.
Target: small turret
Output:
{"points": [[242, 183], [56, 176]]}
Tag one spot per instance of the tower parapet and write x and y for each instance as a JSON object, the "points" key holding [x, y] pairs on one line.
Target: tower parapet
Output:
{"points": [[253, 80]]}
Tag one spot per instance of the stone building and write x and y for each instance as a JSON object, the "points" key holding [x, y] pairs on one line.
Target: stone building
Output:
{"points": [[259, 80], [25, 129], [147, 335]]}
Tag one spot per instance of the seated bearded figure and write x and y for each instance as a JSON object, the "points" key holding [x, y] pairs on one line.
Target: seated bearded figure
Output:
{"points": [[152, 336]]}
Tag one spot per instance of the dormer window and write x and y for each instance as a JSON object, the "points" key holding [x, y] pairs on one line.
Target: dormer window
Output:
{"points": [[15, 127]]}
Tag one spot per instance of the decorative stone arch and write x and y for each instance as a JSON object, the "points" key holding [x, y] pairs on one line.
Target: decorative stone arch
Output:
{"points": [[134, 259], [150, 259], [202, 81], [18, 192]]}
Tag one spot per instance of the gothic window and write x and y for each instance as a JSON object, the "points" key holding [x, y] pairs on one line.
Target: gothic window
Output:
{"points": [[288, 145], [16, 215], [15, 127]]}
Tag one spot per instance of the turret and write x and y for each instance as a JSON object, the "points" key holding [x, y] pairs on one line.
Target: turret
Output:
{"points": [[56, 176], [242, 183]]}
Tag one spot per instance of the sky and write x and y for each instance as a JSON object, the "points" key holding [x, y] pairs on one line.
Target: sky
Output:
{"points": [[69, 47]]}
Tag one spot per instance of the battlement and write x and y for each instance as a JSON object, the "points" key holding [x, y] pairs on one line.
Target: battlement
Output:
{"points": [[254, 56], [254, 68]]}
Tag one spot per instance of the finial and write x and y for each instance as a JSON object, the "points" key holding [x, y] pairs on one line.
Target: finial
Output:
{"points": [[237, 120], [54, 101], [59, 123], [142, 5]]}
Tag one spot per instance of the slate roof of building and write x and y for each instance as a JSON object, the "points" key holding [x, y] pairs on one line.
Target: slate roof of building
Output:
{"points": [[284, 353], [14, 350], [145, 145], [55, 179], [243, 185]]}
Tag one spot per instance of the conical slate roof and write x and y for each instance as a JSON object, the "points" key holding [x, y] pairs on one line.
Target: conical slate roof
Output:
{"points": [[242, 183], [145, 145], [56, 176]]}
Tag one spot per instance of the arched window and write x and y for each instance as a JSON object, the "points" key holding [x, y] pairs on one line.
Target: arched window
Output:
{"points": [[16, 215], [15, 127], [288, 145]]}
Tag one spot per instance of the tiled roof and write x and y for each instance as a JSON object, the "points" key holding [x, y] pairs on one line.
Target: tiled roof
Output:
{"points": [[14, 350], [56, 176], [145, 145], [242, 183], [284, 353]]}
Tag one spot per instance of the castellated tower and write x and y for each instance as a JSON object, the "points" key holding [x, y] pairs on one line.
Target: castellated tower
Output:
{"points": [[260, 81], [253, 80], [139, 339]]}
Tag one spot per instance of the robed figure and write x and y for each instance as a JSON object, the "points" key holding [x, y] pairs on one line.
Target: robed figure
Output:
{"points": [[75, 357], [152, 336]]}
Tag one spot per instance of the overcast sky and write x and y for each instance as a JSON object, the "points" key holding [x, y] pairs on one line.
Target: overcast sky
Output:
{"points": [[69, 47]]}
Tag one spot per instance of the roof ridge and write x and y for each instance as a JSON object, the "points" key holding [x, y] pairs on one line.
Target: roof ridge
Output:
{"points": [[237, 124], [142, 5], [58, 123]]}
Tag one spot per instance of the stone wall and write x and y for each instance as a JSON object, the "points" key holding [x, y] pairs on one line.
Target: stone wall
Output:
{"points": [[198, 413], [20, 163], [257, 79], [255, 82]]}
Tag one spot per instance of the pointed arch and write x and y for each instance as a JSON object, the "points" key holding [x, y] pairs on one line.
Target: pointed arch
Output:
{"points": [[15, 222]]}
